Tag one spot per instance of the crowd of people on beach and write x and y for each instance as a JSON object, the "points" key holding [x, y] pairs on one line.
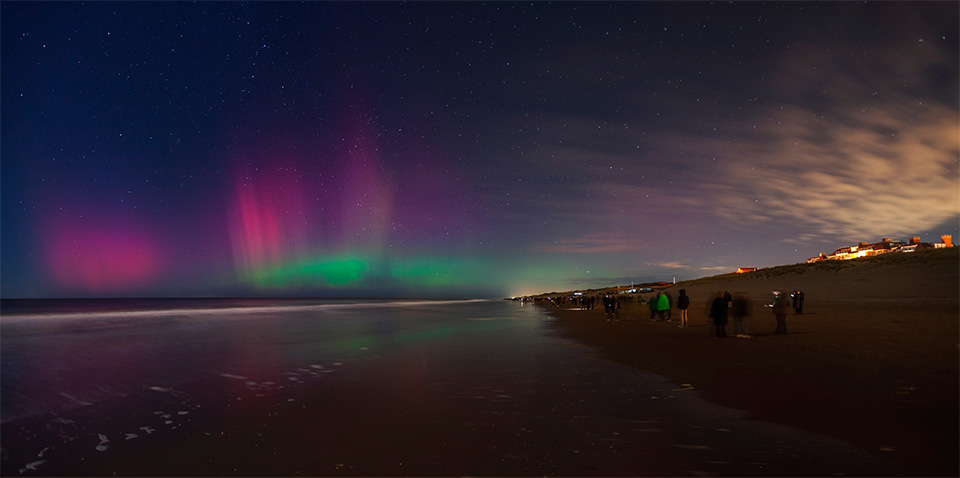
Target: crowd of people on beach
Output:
{"points": [[723, 308]]}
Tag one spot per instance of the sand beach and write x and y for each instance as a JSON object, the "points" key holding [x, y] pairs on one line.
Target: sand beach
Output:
{"points": [[872, 360]]}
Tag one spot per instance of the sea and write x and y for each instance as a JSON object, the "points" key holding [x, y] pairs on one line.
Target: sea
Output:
{"points": [[63, 353], [194, 387]]}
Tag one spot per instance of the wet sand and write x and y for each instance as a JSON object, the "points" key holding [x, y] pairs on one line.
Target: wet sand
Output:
{"points": [[872, 360], [566, 420], [487, 391]]}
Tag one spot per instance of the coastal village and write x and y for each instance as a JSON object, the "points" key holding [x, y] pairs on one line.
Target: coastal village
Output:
{"points": [[865, 249], [886, 245]]}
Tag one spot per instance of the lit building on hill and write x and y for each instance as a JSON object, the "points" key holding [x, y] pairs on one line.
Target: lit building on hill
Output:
{"points": [[885, 245], [821, 257]]}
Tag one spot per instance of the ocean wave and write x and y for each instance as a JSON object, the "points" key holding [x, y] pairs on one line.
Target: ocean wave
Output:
{"points": [[228, 309]]}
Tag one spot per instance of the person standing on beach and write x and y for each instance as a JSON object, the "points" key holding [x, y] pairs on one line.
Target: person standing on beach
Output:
{"points": [[740, 311], [663, 305], [669, 306], [797, 296], [652, 305], [608, 306], [718, 311], [780, 305], [683, 303]]}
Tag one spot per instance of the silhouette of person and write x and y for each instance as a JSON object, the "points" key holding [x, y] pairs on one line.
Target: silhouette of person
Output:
{"points": [[683, 303], [780, 305], [718, 311], [740, 310], [797, 296], [669, 306]]}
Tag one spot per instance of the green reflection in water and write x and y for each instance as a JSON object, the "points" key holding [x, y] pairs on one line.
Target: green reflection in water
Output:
{"points": [[438, 331]]}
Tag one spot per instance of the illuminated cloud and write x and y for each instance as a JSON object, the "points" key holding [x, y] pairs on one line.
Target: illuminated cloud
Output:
{"points": [[611, 242], [717, 268], [861, 157]]}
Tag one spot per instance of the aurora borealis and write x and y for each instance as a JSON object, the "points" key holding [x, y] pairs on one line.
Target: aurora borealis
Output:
{"points": [[462, 149]]}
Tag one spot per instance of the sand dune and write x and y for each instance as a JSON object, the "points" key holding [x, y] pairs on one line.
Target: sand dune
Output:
{"points": [[920, 275]]}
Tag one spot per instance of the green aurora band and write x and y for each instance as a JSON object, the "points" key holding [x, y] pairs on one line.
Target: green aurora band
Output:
{"points": [[415, 276]]}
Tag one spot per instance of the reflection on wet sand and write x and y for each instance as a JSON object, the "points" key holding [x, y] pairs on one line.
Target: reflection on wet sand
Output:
{"points": [[418, 391]]}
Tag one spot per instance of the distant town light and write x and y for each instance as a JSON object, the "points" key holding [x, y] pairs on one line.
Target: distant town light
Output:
{"points": [[885, 245]]}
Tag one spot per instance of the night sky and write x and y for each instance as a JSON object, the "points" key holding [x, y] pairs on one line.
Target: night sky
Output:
{"points": [[462, 149]]}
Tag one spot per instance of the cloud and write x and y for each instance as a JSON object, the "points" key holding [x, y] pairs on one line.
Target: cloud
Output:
{"points": [[604, 242], [718, 268], [850, 136], [869, 156]]}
